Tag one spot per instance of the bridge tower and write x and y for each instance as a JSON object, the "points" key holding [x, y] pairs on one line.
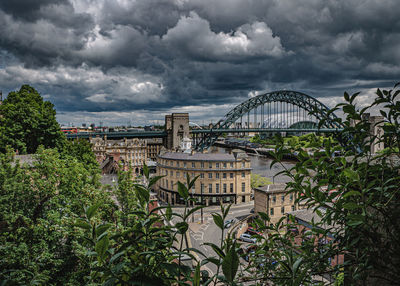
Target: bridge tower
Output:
{"points": [[177, 128]]}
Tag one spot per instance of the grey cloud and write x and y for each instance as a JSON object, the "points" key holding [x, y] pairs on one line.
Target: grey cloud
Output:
{"points": [[193, 35], [156, 55], [27, 9]]}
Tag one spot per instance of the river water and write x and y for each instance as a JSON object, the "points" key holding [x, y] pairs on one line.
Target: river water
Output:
{"points": [[261, 166]]}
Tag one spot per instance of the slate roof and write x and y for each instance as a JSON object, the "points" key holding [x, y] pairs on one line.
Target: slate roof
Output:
{"points": [[273, 188], [198, 156], [309, 215]]}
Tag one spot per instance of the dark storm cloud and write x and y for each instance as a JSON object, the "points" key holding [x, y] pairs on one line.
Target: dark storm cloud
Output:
{"points": [[28, 10], [148, 56]]}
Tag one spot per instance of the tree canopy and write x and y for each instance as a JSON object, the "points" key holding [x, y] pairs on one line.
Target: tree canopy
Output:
{"points": [[27, 121]]}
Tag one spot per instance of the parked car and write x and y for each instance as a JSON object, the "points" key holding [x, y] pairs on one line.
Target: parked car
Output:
{"points": [[253, 231], [247, 238], [228, 223]]}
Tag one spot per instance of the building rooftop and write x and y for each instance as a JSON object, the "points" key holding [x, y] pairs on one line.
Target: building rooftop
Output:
{"points": [[204, 156], [24, 159], [309, 216], [272, 189]]}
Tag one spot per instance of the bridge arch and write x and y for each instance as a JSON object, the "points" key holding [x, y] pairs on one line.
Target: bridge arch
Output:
{"points": [[300, 101]]}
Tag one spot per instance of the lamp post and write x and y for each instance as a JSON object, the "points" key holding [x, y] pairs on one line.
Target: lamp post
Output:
{"points": [[192, 205], [201, 210]]}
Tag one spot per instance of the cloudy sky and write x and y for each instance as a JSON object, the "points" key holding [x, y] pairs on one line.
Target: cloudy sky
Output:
{"points": [[133, 61]]}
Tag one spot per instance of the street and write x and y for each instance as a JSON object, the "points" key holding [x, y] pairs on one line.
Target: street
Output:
{"points": [[200, 233]]}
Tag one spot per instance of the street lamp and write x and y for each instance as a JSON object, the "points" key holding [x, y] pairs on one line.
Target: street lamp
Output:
{"points": [[192, 205], [201, 210]]}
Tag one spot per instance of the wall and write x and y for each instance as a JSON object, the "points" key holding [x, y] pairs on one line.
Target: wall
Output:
{"points": [[175, 170]]}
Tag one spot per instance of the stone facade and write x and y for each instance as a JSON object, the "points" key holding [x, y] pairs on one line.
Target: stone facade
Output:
{"points": [[153, 148], [177, 128], [222, 177], [274, 201], [128, 152]]}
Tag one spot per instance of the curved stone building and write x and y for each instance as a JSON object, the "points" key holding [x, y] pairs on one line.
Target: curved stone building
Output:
{"points": [[222, 177]]}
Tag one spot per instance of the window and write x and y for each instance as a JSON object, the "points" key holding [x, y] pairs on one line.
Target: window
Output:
{"points": [[201, 175], [243, 164], [224, 188], [202, 164], [202, 187], [231, 164], [184, 164], [166, 172], [243, 187], [210, 175], [291, 197], [271, 211], [224, 165], [282, 210], [283, 198], [172, 163], [172, 185], [217, 175], [210, 165], [167, 184], [243, 175], [194, 188], [177, 174], [231, 187], [172, 173], [224, 175], [177, 164], [216, 165], [193, 165], [231, 175], [274, 199], [210, 188], [292, 208], [217, 188]]}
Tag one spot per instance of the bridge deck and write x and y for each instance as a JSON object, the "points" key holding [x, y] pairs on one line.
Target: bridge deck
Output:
{"points": [[162, 134]]}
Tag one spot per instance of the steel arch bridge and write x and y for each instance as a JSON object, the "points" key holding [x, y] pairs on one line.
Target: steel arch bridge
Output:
{"points": [[275, 111]]}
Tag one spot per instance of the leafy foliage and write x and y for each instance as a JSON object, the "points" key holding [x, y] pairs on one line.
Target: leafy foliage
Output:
{"points": [[357, 195], [258, 181], [27, 121], [37, 204], [81, 149]]}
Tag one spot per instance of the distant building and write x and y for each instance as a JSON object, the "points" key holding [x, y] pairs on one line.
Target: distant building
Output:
{"points": [[127, 152], [153, 148], [274, 201], [222, 177]]}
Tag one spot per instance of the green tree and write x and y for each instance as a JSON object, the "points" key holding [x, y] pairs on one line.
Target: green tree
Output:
{"points": [[27, 121], [258, 181], [38, 203], [81, 149]]}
